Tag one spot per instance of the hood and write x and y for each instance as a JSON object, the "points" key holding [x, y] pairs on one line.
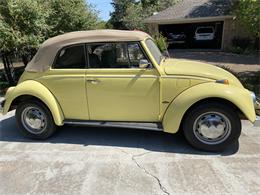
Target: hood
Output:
{"points": [[198, 69]]}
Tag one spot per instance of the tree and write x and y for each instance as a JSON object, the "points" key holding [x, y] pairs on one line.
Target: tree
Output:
{"points": [[248, 14], [138, 11], [25, 24], [133, 17], [116, 17], [70, 15]]}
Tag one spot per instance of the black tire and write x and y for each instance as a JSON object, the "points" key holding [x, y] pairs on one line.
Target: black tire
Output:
{"points": [[49, 125], [194, 136]]}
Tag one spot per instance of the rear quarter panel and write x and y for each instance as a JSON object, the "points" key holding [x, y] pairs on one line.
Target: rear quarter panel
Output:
{"points": [[35, 89]]}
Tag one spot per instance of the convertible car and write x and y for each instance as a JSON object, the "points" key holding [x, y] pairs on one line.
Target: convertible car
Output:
{"points": [[121, 79]]}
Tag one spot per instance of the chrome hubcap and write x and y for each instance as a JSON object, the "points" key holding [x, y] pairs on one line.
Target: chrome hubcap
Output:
{"points": [[34, 120], [212, 128]]}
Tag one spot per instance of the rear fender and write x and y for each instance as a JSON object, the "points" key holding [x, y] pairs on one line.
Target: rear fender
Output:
{"points": [[35, 89]]}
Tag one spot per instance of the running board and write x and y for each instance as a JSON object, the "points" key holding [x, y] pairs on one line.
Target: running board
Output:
{"points": [[130, 125]]}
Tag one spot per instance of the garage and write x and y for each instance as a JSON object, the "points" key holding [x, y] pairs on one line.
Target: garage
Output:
{"points": [[196, 24], [207, 35]]}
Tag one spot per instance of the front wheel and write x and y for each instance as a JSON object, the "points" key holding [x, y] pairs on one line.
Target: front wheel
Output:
{"points": [[35, 120], [212, 126]]}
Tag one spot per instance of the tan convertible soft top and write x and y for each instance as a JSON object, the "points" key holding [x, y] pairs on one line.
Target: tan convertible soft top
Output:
{"points": [[48, 50]]}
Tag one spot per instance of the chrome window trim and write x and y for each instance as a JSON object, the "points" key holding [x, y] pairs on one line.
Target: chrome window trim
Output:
{"points": [[126, 43], [187, 77], [119, 77]]}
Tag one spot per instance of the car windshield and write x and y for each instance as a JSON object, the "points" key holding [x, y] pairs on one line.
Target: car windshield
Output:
{"points": [[158, 56], [205, 30]]}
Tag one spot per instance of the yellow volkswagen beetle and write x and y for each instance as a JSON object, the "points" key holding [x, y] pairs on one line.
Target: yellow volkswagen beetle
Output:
{"points": [[120, 78]]}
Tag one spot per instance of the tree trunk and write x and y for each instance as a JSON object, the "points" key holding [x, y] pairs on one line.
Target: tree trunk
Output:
{"points": [[9, 69], [25, 60]]}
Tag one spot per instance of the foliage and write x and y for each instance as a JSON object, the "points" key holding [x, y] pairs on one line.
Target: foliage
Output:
{"points": [[134, 16], [250, 80], [161, 42], [236, 50], [242, 46], [247, 13], [131, 14], [25, 24], [70, 15], [101, 25], [241, 42], [159, 5], [120, 7]]}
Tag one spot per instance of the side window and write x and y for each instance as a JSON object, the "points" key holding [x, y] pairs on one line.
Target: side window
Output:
{"points": [[135, 54], [108, 55], [72, 57]]}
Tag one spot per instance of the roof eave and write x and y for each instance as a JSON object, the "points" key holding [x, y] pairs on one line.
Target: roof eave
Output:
{"points": [[187, 20]]}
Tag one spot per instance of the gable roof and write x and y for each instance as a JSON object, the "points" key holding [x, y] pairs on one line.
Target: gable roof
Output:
{"points": [[191, 9]]}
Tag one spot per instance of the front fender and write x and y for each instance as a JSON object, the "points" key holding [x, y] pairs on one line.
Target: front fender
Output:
{"points": [[176, 110], [37, 90]]}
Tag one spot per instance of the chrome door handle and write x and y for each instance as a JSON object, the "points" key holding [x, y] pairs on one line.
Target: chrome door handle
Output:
{"points": [[93, 81]]}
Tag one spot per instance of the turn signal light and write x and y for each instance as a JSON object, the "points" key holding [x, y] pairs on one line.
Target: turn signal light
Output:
{"points": [[223, 81]]}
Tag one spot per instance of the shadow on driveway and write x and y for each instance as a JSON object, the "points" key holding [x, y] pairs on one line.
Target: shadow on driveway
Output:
{"points": [[118, 137]]}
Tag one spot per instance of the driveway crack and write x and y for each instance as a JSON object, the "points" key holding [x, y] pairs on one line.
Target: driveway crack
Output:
{"points": [[133, 157]]}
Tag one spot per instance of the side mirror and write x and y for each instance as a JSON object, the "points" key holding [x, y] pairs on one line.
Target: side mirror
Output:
{"points": [[143, 64]]}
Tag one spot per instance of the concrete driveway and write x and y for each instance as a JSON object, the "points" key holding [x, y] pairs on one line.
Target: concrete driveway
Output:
{"points": [[237, 62], [97, 161]]}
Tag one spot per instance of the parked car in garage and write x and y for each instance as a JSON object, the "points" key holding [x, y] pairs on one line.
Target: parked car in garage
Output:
{"points": [[204, 33], [176, 38], [121, 79]]}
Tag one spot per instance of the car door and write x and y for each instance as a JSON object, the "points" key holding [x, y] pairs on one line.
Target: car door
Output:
{"points": [[117, 89], [66, 81]]}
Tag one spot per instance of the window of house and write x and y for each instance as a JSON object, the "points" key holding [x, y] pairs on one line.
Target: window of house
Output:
{"points": [[72, 57]]}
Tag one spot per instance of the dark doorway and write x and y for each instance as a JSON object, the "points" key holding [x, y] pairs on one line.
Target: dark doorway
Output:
{"points": [[206, 35]]}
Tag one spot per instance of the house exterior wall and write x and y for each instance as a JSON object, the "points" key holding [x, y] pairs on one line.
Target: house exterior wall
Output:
{"points": [[228, 34], [232, 29]]}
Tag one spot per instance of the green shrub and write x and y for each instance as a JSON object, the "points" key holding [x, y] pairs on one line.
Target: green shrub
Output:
{"points": [[250, 80], [161, 42], [241, 42], [236, 50], [243, 46]]}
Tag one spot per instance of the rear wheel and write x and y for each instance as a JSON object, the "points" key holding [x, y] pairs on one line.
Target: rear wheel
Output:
{"points": [[212, 126], [35, 120]]}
